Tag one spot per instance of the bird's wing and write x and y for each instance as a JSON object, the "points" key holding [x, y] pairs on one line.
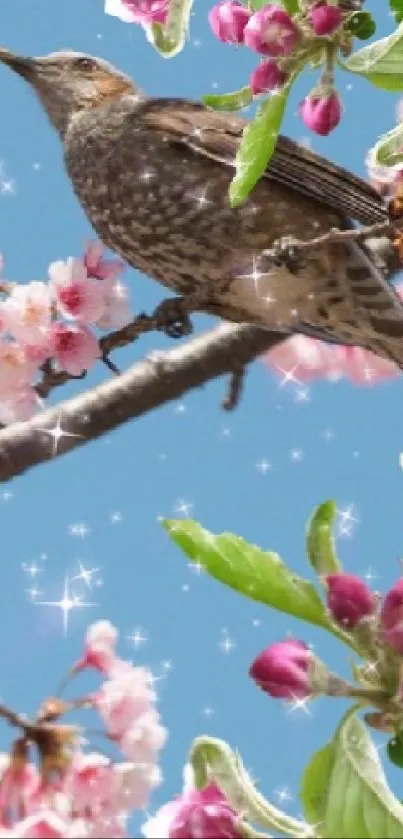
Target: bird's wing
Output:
{"points": [[217, 135]]}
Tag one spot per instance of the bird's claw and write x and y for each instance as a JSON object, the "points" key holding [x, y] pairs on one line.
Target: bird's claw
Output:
{"points": [[288, 253], [172, 317]]}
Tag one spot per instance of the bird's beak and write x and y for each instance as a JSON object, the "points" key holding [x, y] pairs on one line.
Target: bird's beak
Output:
{"points": [[23, 66]]}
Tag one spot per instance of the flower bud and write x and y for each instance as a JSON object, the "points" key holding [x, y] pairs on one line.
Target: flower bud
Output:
{"points": [[321, 113], [392, 616], [271, 31], [196, 814], [281, 670], [349, 599], [228, 21], [325, 19], [267, 76]]}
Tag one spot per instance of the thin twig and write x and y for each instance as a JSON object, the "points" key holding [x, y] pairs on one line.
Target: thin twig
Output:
{"points": [[235, 390], [334, 235]]}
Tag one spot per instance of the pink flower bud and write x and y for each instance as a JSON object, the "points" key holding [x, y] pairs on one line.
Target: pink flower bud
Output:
{"points": [[271, 31], [349, 599], [325, 19], [392, 616], [321, 113], [267, 76], [196, 814], [282, 669], [228, 21]]}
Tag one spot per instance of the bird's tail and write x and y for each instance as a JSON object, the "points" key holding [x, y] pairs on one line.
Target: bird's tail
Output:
{"points": [[338, 296]]}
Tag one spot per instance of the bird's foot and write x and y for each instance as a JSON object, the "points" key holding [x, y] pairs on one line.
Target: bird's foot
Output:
{"points": [[287, 252], [172, 317]]}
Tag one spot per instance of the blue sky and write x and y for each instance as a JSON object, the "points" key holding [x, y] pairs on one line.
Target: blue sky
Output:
{"points": [[347, 441]]}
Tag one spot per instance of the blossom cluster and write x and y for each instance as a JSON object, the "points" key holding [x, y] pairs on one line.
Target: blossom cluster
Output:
{"points": [[311, 359], [272, 33], [71, 793], [286, 669], [278, 38], [54, 322]]}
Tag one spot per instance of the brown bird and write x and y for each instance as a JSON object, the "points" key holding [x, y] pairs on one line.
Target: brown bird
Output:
{"points": [[152, 176]]}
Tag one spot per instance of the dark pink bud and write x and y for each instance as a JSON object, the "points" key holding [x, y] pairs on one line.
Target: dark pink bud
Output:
{"points": [[349, 599], [321, 113], [392, 616], [228, 21], [267, 76], [325, 19], [201, 814], [282, 669], [271, 31]]}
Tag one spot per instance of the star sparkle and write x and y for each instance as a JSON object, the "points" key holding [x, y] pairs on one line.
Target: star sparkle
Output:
{"points": [[66, 604], [57, 433]]}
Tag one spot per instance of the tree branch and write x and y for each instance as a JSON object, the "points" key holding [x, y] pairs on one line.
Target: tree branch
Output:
{"points": [[148, 384]]}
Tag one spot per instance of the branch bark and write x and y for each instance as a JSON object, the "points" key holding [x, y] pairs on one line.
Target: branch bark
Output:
{"points": [[148, 384]]}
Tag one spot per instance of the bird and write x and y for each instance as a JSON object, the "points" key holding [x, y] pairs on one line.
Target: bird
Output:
{"points": [[152, 176]]}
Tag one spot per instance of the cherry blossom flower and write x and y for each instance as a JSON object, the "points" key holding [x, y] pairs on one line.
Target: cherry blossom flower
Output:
{"points": [[77, 296], [99, 647], [16, 369], [116, 310], [27, 312], [74, 347], [83, 794], [196, 814], [98, 267], [312, 359]]}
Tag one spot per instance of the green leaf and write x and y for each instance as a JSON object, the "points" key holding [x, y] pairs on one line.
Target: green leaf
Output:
{"points": [[260, 575], [344, 787], [361, 24], [315, 783], [169, 38], [388, 151], [381, 62], [395, 750], [229, 101], [320, 542], [258, 142], [291, 6], [396, 7]]}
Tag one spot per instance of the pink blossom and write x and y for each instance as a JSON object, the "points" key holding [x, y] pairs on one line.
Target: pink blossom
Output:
{"points": [[144, 12], [271, 31], [228, 20], [321, 112], [77, 296], [134, 784], [325, 19], [392, 616], [314, 359], [145, 737], [17, 404], [15, 368], [196, 814], [116, 310], [43, 825], [266, 76], [99, 647], [27, 312], [349, 599], [98, 267], [282, 669], [74, 347], [124, 696]]}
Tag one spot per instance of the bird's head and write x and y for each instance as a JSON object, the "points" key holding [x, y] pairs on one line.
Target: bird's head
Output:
{"points": [[69, 82]]}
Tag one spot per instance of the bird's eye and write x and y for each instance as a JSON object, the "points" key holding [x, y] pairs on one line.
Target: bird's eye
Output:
{"points": [[85, 64]]}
